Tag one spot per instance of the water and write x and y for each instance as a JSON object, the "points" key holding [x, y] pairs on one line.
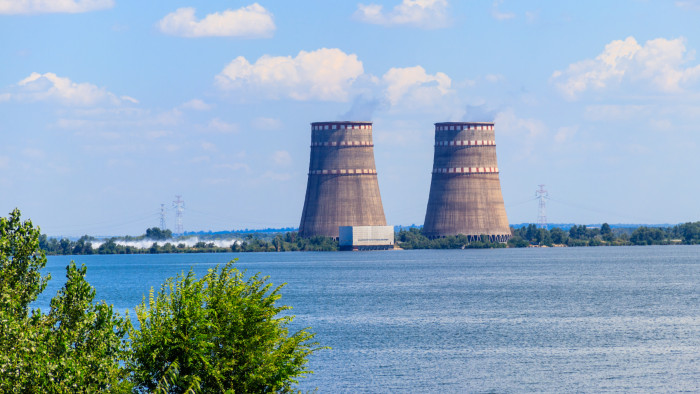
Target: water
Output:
{"points": [[505, 320]]}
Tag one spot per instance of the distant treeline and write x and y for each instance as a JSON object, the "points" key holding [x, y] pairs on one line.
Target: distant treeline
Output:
{"points": [[531, 235], [251, 243], [682, 234], [411, 238]]}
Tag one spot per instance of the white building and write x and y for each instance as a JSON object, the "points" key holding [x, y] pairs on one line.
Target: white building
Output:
{"points": [[366, 237]]}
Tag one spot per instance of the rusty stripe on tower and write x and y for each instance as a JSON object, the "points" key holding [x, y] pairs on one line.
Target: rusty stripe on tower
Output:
{"points": [[342, 188], [465, 191]]}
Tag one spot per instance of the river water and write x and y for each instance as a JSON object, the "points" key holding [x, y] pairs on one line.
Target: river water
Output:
{"points": [[501, 320]]}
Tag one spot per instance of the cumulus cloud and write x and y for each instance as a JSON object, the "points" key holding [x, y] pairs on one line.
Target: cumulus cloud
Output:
{"points": [[249, 22], [277, 176], [565, 133], [266, 123], [659, 63], [233, 167], [324, 74], [427, 14], [197, 105], [52, 6], [220, 126], [614, 112], [688, 4], [499, 15], [50, 87], [282, 158], [414, 85], [509, 123], [525, 131]]}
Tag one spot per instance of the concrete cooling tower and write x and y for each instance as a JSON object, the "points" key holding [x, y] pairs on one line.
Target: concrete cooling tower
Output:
{"points": [[465, 191], [342, 188]]}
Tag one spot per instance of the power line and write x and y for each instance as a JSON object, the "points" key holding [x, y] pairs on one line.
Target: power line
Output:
{"points": [[162, 217], [179, 206], [542, 195]]}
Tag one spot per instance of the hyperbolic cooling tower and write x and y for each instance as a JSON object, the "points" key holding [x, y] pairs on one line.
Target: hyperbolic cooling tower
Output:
{"points": [[465, 191], [342, 189]]}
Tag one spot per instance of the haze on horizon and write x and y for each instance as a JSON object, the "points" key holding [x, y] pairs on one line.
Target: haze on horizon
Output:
{"points": [[110, 108]]}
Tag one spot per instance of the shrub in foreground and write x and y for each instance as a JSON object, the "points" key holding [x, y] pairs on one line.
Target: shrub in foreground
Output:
{"points": [[221, 333]]}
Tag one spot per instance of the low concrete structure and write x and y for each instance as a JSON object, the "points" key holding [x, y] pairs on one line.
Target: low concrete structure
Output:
{"points": [[366, 237]]}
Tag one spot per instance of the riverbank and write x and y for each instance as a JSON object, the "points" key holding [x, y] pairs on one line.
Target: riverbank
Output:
{"points": [[528, 236]]}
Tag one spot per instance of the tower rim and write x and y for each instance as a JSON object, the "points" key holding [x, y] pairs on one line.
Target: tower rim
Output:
{"points": [[342, 122], [462, 123]]}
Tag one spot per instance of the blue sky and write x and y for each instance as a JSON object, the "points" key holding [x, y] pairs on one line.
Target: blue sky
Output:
{"points": [[109, 108]]}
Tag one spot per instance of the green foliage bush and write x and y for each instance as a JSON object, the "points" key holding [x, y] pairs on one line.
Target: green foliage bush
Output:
{"points": [[76, 347], [221, 333]]}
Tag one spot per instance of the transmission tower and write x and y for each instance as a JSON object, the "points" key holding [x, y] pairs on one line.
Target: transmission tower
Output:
{"points": [[179, 206], [162, 216], [542, 195]]}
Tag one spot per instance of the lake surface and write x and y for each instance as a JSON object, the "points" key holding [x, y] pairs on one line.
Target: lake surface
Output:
{"points": [[502, 320]]}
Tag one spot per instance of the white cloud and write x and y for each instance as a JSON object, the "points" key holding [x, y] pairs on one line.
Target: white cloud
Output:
{"points": [[427, 14], [277, 176], [33, 153], [4, 162], [412, 85], [267, 124], [208, 146], [249, 22], [220, 126], [282, 158], [660, 63], [233, 167], [197, 105], [324, 74], [200, 159], [509, 123], [613, 112], [494, 78], [565, 133], [155, 134], [688, 4], [497, 14], [50, 87], [4, 97], [522, 131], [52, 6], [532, 16], [661, 124]]}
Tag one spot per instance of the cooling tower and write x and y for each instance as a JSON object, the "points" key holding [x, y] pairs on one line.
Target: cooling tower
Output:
{"points": [[465, 191], [342, 189]]}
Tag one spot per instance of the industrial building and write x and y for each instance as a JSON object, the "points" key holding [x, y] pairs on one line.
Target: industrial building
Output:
{"points": [[465, 190], [342, 187], [366, 237]]}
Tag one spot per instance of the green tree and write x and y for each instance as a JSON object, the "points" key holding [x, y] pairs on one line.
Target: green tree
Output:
{"points": [[221, 332], [158, 234], [21, 260], [558, 235], [606, 233], [76, 347]]}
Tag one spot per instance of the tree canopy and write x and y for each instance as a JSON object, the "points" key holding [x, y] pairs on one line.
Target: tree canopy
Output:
{"points": [[220, 333]]}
